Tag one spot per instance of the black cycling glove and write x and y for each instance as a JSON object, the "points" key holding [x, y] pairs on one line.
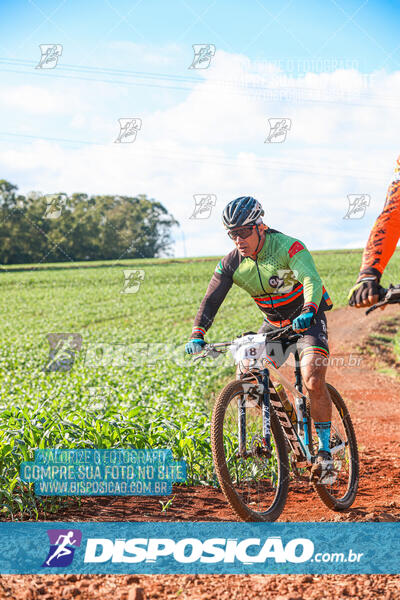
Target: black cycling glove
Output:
{"points": [[367, 286]]}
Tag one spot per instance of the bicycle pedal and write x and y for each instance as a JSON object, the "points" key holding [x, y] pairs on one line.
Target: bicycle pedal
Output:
{"points": [[323, 474], [328, 479]]}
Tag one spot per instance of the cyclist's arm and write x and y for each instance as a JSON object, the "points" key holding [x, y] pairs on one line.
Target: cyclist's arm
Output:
{"points": [[220, 284], [385, 233], [302, 264]]}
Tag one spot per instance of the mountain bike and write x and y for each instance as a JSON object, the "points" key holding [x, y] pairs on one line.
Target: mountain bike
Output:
{"points": [[254, 428]]}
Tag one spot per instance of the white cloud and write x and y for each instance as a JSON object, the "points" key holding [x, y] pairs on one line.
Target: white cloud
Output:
{"points": [[342, 141]]}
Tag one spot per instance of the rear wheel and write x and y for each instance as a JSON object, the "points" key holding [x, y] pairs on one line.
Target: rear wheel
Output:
{"points": [[254, 484], [340, 494]]}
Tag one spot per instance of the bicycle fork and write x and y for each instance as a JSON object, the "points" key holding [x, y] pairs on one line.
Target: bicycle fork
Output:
{"points": [[263, 385]]}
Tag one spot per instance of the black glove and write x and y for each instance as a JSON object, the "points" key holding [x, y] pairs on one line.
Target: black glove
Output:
{"points": [[367, 290]]}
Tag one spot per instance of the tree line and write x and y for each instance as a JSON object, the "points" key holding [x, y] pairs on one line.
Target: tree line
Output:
{"points": [[58, 227]]}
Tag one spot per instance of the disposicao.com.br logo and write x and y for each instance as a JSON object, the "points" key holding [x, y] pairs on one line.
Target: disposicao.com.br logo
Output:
{"points": [[191, 550], [202, 553]]}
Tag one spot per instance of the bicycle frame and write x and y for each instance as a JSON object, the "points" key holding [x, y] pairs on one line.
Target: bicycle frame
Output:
{"points": [[298, 444]]}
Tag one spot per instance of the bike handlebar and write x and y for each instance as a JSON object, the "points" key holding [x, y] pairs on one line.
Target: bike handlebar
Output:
{"points": [[390, 295], [213, 351]]}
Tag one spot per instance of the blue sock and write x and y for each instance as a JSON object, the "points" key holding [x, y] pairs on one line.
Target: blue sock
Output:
{"points": [[323, 429]]}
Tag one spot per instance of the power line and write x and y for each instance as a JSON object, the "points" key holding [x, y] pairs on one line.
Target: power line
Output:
{"points": [[237, 87], [49, 139]]}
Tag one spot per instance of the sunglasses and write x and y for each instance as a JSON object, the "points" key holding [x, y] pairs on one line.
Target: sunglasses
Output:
{"points": [[242, 232]]}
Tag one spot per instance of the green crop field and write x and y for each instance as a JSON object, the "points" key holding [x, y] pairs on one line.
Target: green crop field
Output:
{"points": [[106, 402]]}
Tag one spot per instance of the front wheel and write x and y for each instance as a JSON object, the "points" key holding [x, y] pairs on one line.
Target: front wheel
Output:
{"points": [[340, 494], [254, 484]]}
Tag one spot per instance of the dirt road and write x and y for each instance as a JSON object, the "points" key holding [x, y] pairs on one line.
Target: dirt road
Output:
{"points": [[373, 401]]}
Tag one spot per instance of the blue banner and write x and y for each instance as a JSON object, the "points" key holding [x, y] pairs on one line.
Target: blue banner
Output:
{"points": [[215, 548]]}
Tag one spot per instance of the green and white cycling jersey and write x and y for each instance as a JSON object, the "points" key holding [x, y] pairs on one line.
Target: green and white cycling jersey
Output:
{"points": [[282, 279]]}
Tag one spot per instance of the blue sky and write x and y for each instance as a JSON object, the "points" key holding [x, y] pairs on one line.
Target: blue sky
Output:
{"points": [[204, 131], [363, 31]]}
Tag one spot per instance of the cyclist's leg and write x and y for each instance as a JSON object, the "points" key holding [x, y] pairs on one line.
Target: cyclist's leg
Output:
{"points": [[314, 355]]}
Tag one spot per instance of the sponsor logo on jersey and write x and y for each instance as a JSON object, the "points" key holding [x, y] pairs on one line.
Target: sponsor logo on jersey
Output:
{"points": [[275, 281], [295, 248]]}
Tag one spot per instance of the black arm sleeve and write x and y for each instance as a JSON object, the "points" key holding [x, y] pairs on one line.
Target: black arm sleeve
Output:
{"points": [[219, 286]]}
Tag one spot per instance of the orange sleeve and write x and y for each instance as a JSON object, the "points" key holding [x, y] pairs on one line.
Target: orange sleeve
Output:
{"points": [[385, 233]]}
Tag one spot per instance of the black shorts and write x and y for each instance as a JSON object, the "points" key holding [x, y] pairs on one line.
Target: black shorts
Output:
{"points": [[314, 341]]}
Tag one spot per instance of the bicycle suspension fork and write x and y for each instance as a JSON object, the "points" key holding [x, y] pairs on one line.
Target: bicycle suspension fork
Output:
{"points": [[242, 425], [263, 389]]}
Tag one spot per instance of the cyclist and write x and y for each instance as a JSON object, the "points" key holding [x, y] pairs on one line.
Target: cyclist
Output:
{"points": [[381, 244], [279, 273]]}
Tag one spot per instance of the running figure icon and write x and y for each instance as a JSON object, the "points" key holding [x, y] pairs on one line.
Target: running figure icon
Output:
{"points": [[62, 549], [63, 543]]}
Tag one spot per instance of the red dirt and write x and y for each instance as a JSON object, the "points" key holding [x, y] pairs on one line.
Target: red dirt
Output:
{"points": [[200, 587], [372, 399]]}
